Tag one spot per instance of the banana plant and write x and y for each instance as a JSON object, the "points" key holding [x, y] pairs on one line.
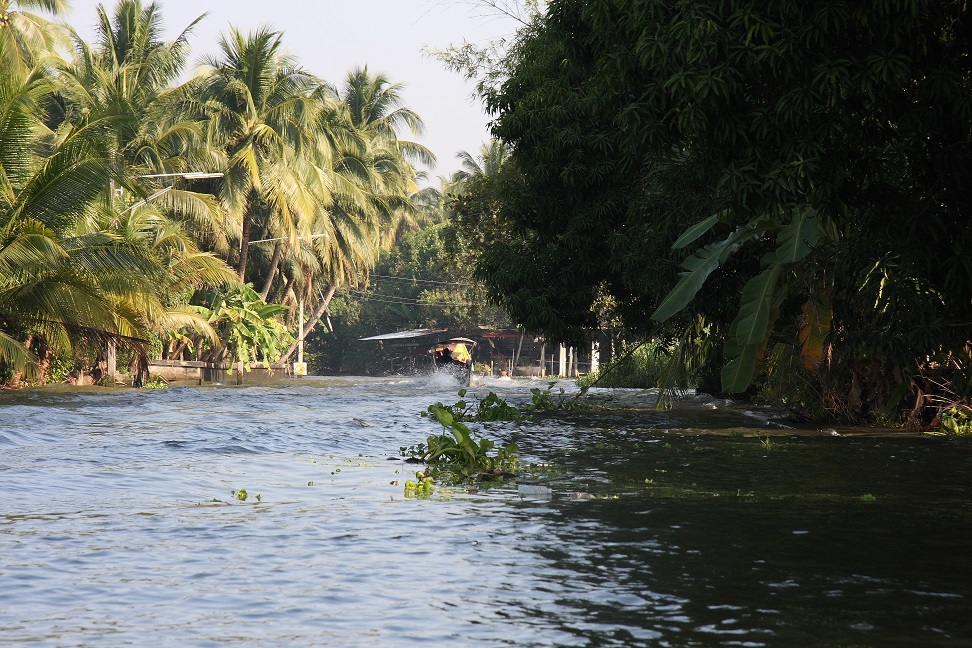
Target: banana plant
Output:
{"points": [[797, 234], [247, 325]]}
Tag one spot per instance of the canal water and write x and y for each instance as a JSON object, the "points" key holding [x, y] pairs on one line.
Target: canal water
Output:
{"points": [[708, 524]]}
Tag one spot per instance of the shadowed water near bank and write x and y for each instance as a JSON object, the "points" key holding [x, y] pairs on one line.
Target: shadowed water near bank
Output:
{"points": [[708, 524]]}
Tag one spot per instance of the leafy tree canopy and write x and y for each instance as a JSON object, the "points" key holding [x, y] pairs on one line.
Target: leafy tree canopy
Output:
{"points": [[815, 154]]}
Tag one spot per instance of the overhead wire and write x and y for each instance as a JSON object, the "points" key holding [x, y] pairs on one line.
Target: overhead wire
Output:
{"points": [[405, 301], [425, 281]]}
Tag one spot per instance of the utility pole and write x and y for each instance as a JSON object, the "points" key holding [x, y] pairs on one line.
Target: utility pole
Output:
{"points": [[300, 367]]}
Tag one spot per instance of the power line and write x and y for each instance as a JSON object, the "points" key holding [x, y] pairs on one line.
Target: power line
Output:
{"points": [[405, 301], [369, 293], [425, 281]]}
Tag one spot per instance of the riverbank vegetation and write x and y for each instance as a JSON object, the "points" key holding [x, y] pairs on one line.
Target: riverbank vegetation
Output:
{"points": [[773, 200], [145, 214], [778, 194]]}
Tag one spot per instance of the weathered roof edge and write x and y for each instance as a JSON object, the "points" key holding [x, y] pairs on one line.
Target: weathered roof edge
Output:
{"points": [[405, 335]]}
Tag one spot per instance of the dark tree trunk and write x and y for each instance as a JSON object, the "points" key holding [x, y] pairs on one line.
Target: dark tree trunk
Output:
{"points": [[139, 369], [274, 262], [244, 245]]}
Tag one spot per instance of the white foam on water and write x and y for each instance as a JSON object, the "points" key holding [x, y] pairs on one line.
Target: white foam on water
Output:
{"points": [[442, 380]]}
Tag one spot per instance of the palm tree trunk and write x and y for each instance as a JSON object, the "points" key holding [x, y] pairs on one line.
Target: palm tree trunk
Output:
{"points": [[309, 326], [274, 262], [244, 245]]}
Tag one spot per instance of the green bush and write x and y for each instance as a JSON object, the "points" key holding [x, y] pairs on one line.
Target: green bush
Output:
{"points": [[640, 366]]}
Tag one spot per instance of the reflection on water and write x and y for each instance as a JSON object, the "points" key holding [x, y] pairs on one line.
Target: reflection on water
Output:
{"points": [[119, 525]]}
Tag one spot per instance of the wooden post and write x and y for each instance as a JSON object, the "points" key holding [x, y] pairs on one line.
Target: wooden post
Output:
{"points": [[562, 365], [516, 354], [300, 345], [112, 362]]}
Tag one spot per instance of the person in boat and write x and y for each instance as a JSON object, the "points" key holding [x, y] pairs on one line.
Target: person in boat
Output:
{"points": [[454, 356]]}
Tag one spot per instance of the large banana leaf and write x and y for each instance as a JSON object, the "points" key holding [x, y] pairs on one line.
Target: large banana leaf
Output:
{"points": [[755, 306], [798, 237], [698, 268], [695, 232], [738, 372]]}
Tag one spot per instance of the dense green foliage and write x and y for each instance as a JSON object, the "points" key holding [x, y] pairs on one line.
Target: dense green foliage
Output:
{"points": [[642, 366], [126, 198], [813, 155], [246, 325]]}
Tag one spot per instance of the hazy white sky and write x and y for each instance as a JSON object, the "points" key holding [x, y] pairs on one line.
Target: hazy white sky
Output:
{"points": [[330, 37]]}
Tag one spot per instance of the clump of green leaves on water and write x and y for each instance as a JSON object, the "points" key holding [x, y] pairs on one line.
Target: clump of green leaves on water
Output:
{"points": [[490, 408], [460, 455], [545, 400], [421, 487], [242, 495], [156, 383], [957, 420]]}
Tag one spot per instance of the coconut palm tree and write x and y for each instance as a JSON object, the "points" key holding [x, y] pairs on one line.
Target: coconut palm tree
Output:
{"points": [[427, 209], [492, 156], [25, 36], [374, 180], [119, 93], [376, 107], [377, 111], [65, 281], [74, 271], [260, 112]]}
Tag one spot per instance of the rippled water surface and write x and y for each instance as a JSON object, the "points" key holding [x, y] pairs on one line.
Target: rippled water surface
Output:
{"points": [[118, 525]]}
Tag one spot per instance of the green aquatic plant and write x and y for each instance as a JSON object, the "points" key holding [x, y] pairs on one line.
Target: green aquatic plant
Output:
{"points": [[461, 455], [242, 495], [156, 383], [766, 442], [494, 408], [465, 454], [545, 400], [957, 420], [490, 408], [421, 488]]}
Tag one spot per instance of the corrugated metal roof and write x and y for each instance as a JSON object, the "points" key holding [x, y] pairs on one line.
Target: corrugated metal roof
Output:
{"points": [[405, 335]]}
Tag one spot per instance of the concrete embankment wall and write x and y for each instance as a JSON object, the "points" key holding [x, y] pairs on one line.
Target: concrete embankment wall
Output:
{"points": [[200, 372]]}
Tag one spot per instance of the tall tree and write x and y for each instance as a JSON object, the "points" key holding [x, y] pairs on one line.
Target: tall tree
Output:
{"points": [[372, 178], [377, 111], [25, 36], [260, 111], [814, 152], [120, 91], [61, 278], [490, 160]]}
